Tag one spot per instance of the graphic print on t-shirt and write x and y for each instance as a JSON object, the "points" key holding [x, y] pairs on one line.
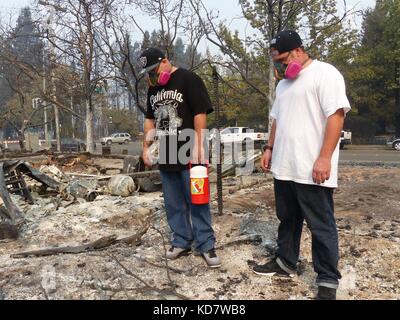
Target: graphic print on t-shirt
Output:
{"points": [[166, 112]]}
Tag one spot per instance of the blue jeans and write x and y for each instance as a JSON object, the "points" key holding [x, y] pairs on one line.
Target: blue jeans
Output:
{"points": [[295, 203], [188, 222]]}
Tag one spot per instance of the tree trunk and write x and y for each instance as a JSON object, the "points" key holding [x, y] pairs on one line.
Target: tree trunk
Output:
{"points": [[55, 107], [397, 105], [21, 139], [397, 112], [57, 121], [89, 127]]}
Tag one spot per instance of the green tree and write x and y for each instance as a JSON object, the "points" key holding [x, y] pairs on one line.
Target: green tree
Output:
{"points": [[179, 53], [27, 44], [24, 44], [374, 72], [123, 121], [318, 21]]}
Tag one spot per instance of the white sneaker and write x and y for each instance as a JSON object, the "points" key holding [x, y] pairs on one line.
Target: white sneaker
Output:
{"points": [[211, 258], [175, 253]]}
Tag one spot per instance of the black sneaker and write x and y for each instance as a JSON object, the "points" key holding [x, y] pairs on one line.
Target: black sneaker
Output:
{"points": [[325, 293], [271, 268]]}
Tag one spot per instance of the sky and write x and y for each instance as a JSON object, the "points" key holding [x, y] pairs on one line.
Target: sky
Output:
{"points": [[229, 11]]}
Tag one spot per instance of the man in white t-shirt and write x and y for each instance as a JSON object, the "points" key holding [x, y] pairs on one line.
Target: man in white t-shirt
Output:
{"points": [[302, 153]]}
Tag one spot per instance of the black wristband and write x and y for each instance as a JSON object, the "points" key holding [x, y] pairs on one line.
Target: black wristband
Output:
{"points": [[265, 147]]}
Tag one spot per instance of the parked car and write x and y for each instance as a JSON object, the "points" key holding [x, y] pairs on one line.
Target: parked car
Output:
{"points": [[70, 145], [240, 135], [394, 142], [119, 138], [345, 138]]}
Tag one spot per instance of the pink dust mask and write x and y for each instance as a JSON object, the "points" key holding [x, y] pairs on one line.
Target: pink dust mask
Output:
{"points": [[164, 78], [292, 70], [161, 79], [288, 71]]}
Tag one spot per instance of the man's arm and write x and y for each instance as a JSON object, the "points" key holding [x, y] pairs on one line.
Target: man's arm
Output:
{"points": [[148, 138], [200, 124], [322, 167], [271, 139], [266, 158], [149, 132]]}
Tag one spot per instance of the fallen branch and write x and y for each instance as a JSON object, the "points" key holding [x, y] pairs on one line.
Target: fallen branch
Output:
{"points": [[95, 245], [84, 175], [101, 243], [148, 287], [92, 246], [141, 174], [122, 289], [179, 271], [135, 238], [171, 283]]}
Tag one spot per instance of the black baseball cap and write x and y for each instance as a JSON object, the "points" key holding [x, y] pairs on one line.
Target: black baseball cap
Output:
{"points": [[150, 58], [285, 41]]}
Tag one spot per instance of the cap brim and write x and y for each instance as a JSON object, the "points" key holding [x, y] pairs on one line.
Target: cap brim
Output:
{"points": [[148, 69]]}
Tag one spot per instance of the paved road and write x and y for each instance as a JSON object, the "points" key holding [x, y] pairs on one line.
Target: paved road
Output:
{"points": [[363, 153], [134, 148], [370, 154], [356, 153]]}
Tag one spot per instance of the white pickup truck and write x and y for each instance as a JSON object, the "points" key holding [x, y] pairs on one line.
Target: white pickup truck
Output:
{"points": [[240, 135], [345, 138]]}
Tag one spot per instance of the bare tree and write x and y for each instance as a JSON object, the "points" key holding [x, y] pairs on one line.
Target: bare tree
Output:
{"points": [[168, 13], [249, 58], [26, 81], [77, 29], [173, 17], [114, 41], [20, 113]]}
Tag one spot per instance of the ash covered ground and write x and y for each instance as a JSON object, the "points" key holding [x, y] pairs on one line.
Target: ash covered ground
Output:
{"points": [[367, 206]]}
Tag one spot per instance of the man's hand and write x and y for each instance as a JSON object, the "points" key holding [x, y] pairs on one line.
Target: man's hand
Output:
{"points": [[198, 156], [266, 160], [321, 170], [145, 156], [200, 125], [322, 167]]}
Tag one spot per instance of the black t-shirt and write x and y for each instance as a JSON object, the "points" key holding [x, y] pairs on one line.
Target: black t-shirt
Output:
{"points": [[173, 108]]}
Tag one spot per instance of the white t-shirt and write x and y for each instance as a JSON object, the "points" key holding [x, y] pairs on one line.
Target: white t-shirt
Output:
{"points": [[301, 109]]}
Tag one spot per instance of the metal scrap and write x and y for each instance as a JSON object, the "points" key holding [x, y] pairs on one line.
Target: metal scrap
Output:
{"points": [[11, 180], [85, 189]]}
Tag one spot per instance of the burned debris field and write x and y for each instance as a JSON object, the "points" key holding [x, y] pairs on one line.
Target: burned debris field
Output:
{"points": [[84, 227]]}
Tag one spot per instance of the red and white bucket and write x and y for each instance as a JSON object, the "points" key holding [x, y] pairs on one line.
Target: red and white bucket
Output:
{"points": [[199, 184]]}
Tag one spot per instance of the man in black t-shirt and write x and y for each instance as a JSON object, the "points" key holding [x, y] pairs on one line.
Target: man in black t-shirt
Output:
{"points": [[177, 108]]}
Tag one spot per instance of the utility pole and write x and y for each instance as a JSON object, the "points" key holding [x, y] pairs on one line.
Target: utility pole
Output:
{"points": [[51, 9], [46, 125], [216, 78]]}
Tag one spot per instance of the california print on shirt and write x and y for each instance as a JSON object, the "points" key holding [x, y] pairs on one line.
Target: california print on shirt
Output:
{"points": [[166, 112]]}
